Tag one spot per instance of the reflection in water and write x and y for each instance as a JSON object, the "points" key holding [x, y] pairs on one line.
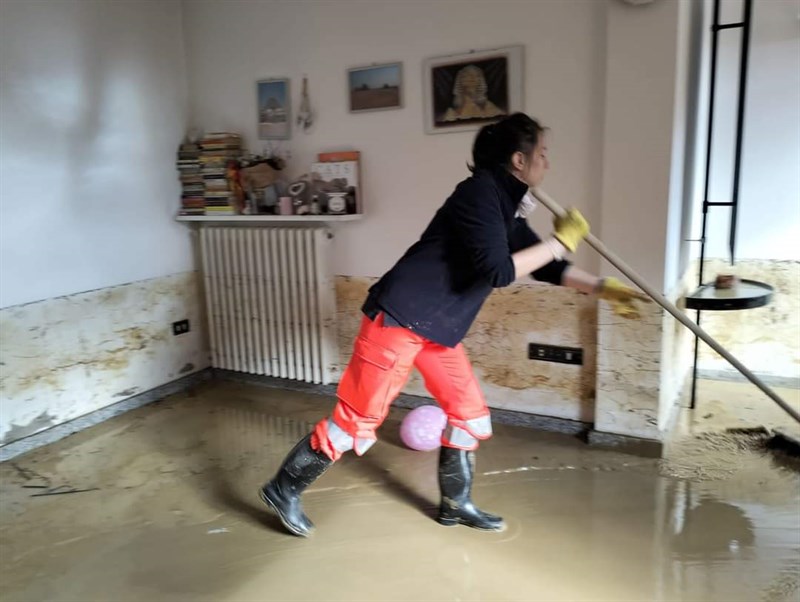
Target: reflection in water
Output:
{"points": [[712, 530], [720, 550], [247, 433]]}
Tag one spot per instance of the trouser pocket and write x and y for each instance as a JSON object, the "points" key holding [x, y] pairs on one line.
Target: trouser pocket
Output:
{"points": [[366, 385]]}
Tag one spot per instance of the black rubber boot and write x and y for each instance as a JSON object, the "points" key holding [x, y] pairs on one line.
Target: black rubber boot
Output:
{"points": [[456, 469], [301, 467]]}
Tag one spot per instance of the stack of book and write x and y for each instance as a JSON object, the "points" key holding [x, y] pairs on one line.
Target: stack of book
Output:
{"points": [[193, 189], [217, 150]]}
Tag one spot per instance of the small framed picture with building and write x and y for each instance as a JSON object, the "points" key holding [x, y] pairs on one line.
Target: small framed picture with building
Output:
{"points": [[465, 91], [274, 105], [375, 88]]}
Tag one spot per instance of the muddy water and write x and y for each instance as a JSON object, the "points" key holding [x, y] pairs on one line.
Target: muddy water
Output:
{"points": [[174, 516]]}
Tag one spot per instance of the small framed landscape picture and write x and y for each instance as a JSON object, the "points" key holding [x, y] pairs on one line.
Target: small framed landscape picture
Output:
{"points": [[274, 121], [375, 88]]}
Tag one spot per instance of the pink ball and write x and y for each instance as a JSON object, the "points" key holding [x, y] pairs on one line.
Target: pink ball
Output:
{"points": [[422, 428]]}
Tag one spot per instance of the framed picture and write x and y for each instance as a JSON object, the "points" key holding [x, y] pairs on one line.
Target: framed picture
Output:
{"points": [[375, 88], [274, 108], [465, 91]]}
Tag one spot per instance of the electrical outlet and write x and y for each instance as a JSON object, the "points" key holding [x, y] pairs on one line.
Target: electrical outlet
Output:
{"points": [[180, 327], [555, 353]]}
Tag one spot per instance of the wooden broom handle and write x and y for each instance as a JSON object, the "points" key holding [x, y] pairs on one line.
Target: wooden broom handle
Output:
{"points": [[623, 267]]}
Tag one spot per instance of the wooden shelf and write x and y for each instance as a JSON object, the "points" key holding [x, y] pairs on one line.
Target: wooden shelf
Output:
{"points": [[251, 219]]}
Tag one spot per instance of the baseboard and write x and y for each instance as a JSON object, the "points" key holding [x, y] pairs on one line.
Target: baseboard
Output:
{"points": [[623, 443], [58, 432], [637, 446], [513, 418], [500, 416], [273, 382], [772, 380]]}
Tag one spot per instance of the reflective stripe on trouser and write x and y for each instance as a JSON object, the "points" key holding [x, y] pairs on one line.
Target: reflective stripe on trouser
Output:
{"points": [[341, 441], [467, 435], [382, 361]]}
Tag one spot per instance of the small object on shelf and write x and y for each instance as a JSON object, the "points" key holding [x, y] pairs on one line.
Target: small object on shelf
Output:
{"points": [[353, 200], [259, 175], [269, 199], [744, 294], [725, 281], [334, 182], [337, 156], [219, 156], [286, 207], [193, 188], [337, 204], [263, 182], [300, 195], [297, 189]]}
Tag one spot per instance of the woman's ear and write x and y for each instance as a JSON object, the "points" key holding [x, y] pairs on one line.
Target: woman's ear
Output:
{"points": [[518, 161]]}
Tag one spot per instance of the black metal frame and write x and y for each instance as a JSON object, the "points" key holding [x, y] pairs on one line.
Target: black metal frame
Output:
{"points": [[733, 303], [716, 27]]}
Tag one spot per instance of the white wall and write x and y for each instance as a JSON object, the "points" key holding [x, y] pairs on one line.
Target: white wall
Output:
{"points": [[641, 71], [676, 339], [649, 86], [92, 106], [407, 174], [686, 161], [769, 212]]}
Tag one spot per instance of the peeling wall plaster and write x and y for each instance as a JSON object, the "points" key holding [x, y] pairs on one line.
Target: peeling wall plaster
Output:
{"points": [[67, 356]]}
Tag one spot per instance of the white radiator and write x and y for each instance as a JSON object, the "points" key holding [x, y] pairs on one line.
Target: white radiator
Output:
{"points": [[271, 301]]}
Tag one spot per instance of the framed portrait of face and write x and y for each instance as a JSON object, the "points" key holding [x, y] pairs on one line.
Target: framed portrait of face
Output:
{"points": [[466, 91]]}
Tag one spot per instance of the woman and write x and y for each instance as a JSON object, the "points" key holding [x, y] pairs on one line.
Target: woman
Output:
{"points": [[418, 313]]}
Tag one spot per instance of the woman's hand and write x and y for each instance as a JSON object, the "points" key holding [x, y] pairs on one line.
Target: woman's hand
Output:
{"points": [[570, 229], [621, 297]]}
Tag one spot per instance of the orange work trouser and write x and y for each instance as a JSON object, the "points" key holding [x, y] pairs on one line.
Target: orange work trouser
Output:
{"points": [[383, 357]]}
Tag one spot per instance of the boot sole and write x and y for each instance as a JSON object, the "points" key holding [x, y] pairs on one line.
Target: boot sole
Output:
{"points": [[452, 522], [289, 527]]}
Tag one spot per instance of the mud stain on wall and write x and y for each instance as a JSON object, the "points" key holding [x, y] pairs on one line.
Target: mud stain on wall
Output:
{"points": [[70, 355], [629, 372], [765, 339]]}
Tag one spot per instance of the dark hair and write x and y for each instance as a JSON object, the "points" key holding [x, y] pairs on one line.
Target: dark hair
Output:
{"points": [[497, 142]]}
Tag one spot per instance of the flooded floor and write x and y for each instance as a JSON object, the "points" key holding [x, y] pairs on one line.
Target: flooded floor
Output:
{"points": [[725, 405], [164, 508]]}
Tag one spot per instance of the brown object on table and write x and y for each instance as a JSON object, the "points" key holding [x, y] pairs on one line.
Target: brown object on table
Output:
{"points": [[726, 281]]}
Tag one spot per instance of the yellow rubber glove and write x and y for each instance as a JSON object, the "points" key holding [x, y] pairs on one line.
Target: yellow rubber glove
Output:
{"points": [[570, 229], [621, 298]]}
